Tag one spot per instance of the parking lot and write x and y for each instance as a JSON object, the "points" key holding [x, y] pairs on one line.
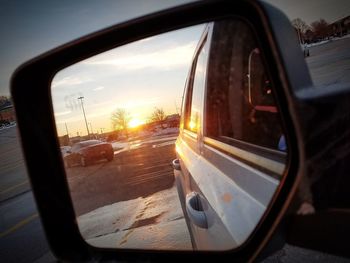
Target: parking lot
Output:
{"points": [[139, 171], [131, 201]]}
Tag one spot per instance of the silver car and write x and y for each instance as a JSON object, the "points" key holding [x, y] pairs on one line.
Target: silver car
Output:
{"points": [[231, 149]]}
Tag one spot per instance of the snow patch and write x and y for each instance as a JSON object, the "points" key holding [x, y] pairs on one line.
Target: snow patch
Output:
{"points": [[153, 222]]}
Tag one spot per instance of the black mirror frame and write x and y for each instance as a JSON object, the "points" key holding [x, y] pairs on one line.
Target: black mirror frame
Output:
{"points": [[30, 87]]}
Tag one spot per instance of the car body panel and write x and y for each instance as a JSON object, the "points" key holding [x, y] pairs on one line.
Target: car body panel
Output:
{"points": [[239, 197], [96, 150], [235, 183]]}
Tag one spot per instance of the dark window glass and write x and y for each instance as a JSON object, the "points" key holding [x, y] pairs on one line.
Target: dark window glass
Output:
{"points": [[195, 96], [240, 103]]}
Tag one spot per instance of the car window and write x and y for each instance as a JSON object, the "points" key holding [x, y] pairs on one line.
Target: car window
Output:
{"points": [[195, 93], [240, 104]]}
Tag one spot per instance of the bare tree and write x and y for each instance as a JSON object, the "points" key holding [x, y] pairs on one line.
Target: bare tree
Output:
{"points": [[120, 119], [158, 115], [301, 27], [320, 28], [4, 100]]}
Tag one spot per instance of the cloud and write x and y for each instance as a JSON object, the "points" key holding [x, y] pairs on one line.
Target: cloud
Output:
{"points": [[162, 60], [58, 114], [69, 81], [69, 121], [132, 104], [98, 88]]}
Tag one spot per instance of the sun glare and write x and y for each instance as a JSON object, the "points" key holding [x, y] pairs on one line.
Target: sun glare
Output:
{"points": [[133, 123]]}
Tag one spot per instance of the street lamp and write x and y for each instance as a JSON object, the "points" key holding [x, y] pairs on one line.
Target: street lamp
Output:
{"points": [[254, 51], [82, 106]]}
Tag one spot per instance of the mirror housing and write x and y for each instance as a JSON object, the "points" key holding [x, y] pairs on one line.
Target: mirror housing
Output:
{"points": [[40, 143]]}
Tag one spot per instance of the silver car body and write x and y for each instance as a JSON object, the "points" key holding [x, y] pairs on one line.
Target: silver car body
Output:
{"points": [[224, 189]]}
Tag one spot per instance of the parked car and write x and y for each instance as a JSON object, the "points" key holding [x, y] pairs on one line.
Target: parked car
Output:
{"points": [[65, 150], [86, 152]]}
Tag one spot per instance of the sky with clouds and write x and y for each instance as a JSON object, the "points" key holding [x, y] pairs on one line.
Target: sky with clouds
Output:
{"points": [[137, 77], [29, 28]]}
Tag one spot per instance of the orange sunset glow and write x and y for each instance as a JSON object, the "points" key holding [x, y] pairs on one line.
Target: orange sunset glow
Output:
{"points": [[134, 123]]}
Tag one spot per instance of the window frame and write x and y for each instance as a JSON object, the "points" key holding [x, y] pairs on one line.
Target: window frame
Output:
{"points": [[205, 40], [223, 145]]}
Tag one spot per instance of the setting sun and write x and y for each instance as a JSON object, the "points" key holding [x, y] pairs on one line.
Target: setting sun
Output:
{"points": [[133, 123]]}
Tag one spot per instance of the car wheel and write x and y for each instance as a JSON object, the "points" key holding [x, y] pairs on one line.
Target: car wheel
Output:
{"points": [[83, 161]]}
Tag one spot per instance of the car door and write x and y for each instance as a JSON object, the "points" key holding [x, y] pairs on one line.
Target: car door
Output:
{"points": [[229, 147], [197, 208]]}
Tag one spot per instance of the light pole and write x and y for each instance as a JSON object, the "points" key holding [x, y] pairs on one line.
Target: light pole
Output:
{"points": [[92, 131], [66, 129], [254, 51], [82, 106]]}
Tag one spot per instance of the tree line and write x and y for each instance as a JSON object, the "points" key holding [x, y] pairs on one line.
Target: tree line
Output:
{"points": [[4, 101], [316, 31], [120, 118]]}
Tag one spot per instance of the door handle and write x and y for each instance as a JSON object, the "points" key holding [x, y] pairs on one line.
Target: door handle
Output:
{"points": [[195, 211]]}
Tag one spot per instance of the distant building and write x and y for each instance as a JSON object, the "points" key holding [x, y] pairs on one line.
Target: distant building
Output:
{"points": [[172, 121], [7, 112], [64, 140], [341, 26]]}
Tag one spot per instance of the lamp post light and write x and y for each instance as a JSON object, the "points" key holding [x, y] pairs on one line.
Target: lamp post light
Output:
{"points": [[82, 106], [254, 51]]}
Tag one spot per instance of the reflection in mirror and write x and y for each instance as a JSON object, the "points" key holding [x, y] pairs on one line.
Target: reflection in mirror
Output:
{"points": [[145, 172]]}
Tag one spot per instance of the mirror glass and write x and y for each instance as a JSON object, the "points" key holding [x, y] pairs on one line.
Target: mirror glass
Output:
{"points": [[173, 142]]}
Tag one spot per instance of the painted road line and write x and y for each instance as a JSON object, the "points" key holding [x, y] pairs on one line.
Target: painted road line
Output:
{"points": [[19, 225], [13, 187]]}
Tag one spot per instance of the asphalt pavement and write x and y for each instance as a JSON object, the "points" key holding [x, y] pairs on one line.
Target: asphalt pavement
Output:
{"points": [[140, 171], [22, 238], [13, 173], [329, 63]]}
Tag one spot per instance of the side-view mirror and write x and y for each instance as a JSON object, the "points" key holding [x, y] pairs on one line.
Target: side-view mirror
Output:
{"points": [[169, 167]]}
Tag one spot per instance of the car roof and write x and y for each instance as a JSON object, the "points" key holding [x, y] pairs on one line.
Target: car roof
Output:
{"points": [[88, 142]]}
